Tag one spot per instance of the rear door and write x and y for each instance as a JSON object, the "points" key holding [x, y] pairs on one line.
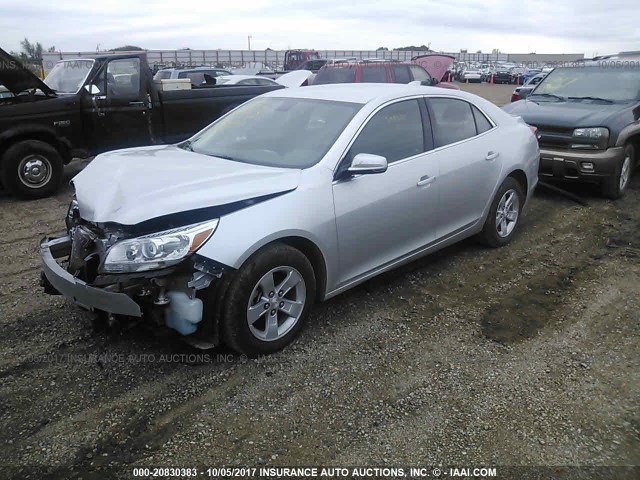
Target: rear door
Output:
{"points": [[382, 217], [467, 148]]}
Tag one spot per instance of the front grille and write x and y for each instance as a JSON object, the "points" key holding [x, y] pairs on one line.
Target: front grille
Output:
{"points": [[555, 137]]}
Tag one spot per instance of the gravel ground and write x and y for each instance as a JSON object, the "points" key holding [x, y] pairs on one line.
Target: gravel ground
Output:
{"points": [[526, 355]]}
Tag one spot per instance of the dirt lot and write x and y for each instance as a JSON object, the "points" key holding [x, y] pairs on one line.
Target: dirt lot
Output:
{"points": [[526, 355]]}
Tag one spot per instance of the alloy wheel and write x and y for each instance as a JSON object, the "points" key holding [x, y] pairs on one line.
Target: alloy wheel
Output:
{"points": [[507, 213], [276, 303]]}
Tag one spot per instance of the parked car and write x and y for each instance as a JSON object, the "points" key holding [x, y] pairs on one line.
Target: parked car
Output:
{"points": [[520, 93], [587, 119], [240, 229], [376, 72], [244, 80], [502, 75], [313, 65], [529, 73], [295, 78], [196, 74], [90, 105], [472, 75], [4, 93]]}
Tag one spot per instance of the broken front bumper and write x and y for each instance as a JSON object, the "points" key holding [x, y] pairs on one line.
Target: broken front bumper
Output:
{"points": [[75, 289]]}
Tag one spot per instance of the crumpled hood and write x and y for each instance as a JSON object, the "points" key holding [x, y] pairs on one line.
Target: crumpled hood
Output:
{"points": [[16, 78], [138, 184], [564, 114]]}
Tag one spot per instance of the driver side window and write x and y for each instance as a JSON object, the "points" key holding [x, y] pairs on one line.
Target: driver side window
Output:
{"points": [[123, 77], [395, 132]]}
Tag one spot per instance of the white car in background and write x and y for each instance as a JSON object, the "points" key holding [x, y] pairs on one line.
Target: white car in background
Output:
{"points": [[297, 78], [244, 80], [472, 75]]}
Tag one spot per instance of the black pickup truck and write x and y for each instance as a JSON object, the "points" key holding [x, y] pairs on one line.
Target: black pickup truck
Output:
{"points": [[588, 120], [90, 105]]}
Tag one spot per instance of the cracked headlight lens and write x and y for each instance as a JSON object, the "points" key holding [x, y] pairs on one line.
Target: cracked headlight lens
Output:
{"points": [[157, 250]]}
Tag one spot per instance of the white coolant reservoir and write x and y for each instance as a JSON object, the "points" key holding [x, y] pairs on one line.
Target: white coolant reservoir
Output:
{"points": [[183, 313]]}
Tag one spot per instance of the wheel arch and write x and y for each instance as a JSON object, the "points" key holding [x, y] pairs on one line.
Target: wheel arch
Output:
{"points": [[41, 134], [519, 176], [310, 250]]}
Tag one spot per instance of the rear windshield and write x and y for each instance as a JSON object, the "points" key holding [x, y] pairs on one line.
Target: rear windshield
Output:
{"points": [[335, 75]]}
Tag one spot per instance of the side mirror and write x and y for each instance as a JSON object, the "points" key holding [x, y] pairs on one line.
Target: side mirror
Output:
{"points": [[92, 89], [365, 163]]}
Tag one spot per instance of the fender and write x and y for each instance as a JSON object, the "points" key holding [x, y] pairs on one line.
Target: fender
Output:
{"points": [[627, 132], [36, 132]]}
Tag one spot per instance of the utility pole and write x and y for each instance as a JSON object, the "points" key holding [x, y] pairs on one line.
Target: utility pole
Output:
{"points": [[249, 41]]}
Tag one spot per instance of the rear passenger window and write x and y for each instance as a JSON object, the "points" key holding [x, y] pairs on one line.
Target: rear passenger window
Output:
{"points": [[400, 74], [482, 123], [373, 74], [452, 121], [395, 132]]}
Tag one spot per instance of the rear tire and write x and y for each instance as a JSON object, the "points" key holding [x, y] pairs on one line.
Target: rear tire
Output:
{"points": [[260, 319], [616, 185], [504, 215], [32, 169]]}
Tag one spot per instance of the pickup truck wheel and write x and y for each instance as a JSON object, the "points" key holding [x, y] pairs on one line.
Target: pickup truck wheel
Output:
{"points": [[268, 301], [32, 169], [504, 215], [615, 186]]}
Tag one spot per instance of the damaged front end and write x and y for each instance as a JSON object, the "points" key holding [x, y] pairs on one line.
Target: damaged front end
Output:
{"points": [[124, 274]]}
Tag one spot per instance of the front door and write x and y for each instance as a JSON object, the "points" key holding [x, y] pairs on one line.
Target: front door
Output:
{"points": [[381, 217], [119, 107]]}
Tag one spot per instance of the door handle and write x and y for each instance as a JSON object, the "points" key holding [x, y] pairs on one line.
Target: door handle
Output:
{"points": [[137, 104], [425, 180], [492, 156]]}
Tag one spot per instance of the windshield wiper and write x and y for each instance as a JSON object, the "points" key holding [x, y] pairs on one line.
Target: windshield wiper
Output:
{"points": [[550, 95], [187, 146], [598, 99]]}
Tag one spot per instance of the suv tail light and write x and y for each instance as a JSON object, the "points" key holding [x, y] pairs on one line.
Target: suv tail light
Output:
{"points": [[534, 130]]}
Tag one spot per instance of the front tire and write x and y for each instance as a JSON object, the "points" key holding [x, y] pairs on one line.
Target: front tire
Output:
{"points": [[504, 215], [268, 301], [32, 169], [615, 186]]}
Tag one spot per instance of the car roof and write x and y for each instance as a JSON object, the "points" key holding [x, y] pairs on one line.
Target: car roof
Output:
{"points": [[364, 92]]}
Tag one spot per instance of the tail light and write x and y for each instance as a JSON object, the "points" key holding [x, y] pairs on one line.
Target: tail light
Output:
{"points": [[534, 130], [515, 96]]}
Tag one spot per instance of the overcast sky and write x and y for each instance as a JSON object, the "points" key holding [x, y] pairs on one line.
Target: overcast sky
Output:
{"points": [[513, 26]]}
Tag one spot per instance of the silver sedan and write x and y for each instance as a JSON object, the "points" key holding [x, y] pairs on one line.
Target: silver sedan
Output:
{"points": [[291, 198]]}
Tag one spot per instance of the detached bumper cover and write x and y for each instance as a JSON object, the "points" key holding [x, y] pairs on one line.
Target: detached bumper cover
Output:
{"points": [[567, 164], [82, 294]]}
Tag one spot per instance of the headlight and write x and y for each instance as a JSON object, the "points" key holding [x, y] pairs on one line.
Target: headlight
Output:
{"points": [[594, 133], [157, 250]]}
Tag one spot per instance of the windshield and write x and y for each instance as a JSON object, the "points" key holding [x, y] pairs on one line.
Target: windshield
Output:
{"points": [[68, 76], [607, 83], [276, 132]]}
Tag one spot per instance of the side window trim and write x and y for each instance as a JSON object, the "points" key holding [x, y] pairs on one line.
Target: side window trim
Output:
{"points": [[343, 157], [427, 127]]}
